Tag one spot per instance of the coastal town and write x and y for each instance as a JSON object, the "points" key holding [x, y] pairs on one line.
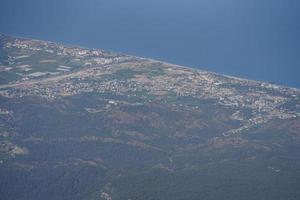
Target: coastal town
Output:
{"points": [[73, 70]]}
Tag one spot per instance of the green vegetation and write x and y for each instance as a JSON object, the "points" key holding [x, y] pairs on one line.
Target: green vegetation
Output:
{"points": [[121, 74]]}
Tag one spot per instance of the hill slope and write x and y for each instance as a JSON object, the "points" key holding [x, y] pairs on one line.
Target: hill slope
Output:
{"points": [[79, 123]]}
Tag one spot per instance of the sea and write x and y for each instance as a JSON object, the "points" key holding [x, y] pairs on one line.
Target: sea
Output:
{"points": [[257, 39]]}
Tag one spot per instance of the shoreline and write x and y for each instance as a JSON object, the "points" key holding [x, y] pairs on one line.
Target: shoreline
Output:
{"points": [[161, 61]]}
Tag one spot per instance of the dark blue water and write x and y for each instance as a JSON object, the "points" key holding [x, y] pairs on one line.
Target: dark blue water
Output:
{"points": [[255, 39]]}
